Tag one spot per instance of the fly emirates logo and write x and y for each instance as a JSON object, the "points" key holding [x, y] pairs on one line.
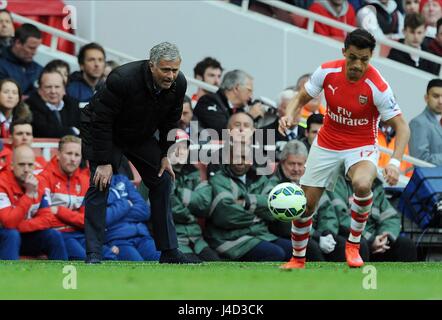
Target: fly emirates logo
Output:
{"points": [[344, 117]]}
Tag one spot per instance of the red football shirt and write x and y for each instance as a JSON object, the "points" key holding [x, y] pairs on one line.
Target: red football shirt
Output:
{"points": [[353, 109]]}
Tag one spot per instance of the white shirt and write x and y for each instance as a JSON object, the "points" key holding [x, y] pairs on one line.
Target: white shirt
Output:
{"points": [[5, 120], [54, 107]]}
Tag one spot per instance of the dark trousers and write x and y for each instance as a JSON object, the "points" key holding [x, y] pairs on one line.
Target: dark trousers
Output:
{"points": [[75, 243], [402, 250], [277, 250], [9, 244], [48, 241], [146, 158]]}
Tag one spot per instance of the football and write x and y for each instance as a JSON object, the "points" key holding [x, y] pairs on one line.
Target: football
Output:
{"points": [[287, 201]]}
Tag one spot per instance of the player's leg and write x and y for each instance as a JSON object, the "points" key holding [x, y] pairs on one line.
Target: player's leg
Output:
{"points": [[320, 170], [362, 175], [301, 228]]}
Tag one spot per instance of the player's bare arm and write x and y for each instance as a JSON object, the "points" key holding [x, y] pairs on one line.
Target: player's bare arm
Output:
{"points": [[391, 171], [293, 110]]}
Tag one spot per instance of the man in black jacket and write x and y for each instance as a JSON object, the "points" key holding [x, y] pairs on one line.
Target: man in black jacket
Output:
{"points": [[414, 36], [54, 114], [139, 98], [213, 110]]}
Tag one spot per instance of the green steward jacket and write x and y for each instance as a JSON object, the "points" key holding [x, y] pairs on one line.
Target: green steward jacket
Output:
{"points": [[191, 199], [234, 229], [334, 212]]}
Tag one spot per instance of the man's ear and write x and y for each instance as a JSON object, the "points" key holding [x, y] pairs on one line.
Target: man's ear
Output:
{"points": [[343, 52]]}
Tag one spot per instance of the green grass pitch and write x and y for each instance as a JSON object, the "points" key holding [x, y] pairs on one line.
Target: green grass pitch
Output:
{"points": [[225, 280]]}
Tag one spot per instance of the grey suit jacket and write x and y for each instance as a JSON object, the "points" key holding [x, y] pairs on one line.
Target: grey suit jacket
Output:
{"points": [[426, 138]]}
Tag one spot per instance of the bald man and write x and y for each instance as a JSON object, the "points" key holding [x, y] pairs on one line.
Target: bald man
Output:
{"points": [[23, 208], [240, 128]]}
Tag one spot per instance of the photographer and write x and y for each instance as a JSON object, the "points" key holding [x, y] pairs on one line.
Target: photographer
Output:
{"points": [[236, 90]]}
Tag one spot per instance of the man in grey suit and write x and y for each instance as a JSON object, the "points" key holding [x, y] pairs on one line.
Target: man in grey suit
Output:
{"points": [[426, 128]]}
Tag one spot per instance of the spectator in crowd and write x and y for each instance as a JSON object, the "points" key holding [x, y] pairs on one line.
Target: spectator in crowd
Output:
{"points": [[21, 134], [191, 200], [240, 129], [66, 186], [339, 10], [426, 128], [186, 116], [24, 208], [381, 18], [83, 84], [290, 169], [387, 139], [207, 70], [411, 6], [55, 114], [237, 227], [61, 66], [11, 105], [432, 11], [110, 65], [236, 90], [313, 106], [381, 234], [435, 45], [297, 132], [314, 123], [6, 30], [126, 217], [17, 61], [414, 34]]}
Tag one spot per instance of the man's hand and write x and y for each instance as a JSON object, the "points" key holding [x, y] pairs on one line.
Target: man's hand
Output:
{"points": [[31, 186], [379, 244], [286, 123], [165, 165], [391, 174], [257, 110], [54, 209], [327, 243], [103, 176]]}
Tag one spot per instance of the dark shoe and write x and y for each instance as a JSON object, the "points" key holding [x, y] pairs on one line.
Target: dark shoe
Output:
{"points": [[177, 257], [93, 258]]}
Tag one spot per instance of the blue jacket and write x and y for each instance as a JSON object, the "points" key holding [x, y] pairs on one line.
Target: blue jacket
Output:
{"points": [[79, 89], [127, 212], [26, 74]]}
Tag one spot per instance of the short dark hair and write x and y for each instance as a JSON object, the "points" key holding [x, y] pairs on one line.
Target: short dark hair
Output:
{"points": [[361, 39], [86, 47], [438, 24], [187, 100], [26, 31], [53, 65], [207, 62], [434, 83], [314, 118], [414, 21], [18, 122], [47, 71]]}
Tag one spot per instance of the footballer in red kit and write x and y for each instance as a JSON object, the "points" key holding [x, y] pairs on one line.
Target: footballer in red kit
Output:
{"points": [[357, 98]]}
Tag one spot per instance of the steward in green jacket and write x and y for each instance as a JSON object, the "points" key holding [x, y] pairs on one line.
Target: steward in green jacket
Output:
{"points": [[236, 226]]}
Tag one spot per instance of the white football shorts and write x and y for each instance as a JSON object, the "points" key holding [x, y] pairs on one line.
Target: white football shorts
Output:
{"points": [[323, 166]]}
